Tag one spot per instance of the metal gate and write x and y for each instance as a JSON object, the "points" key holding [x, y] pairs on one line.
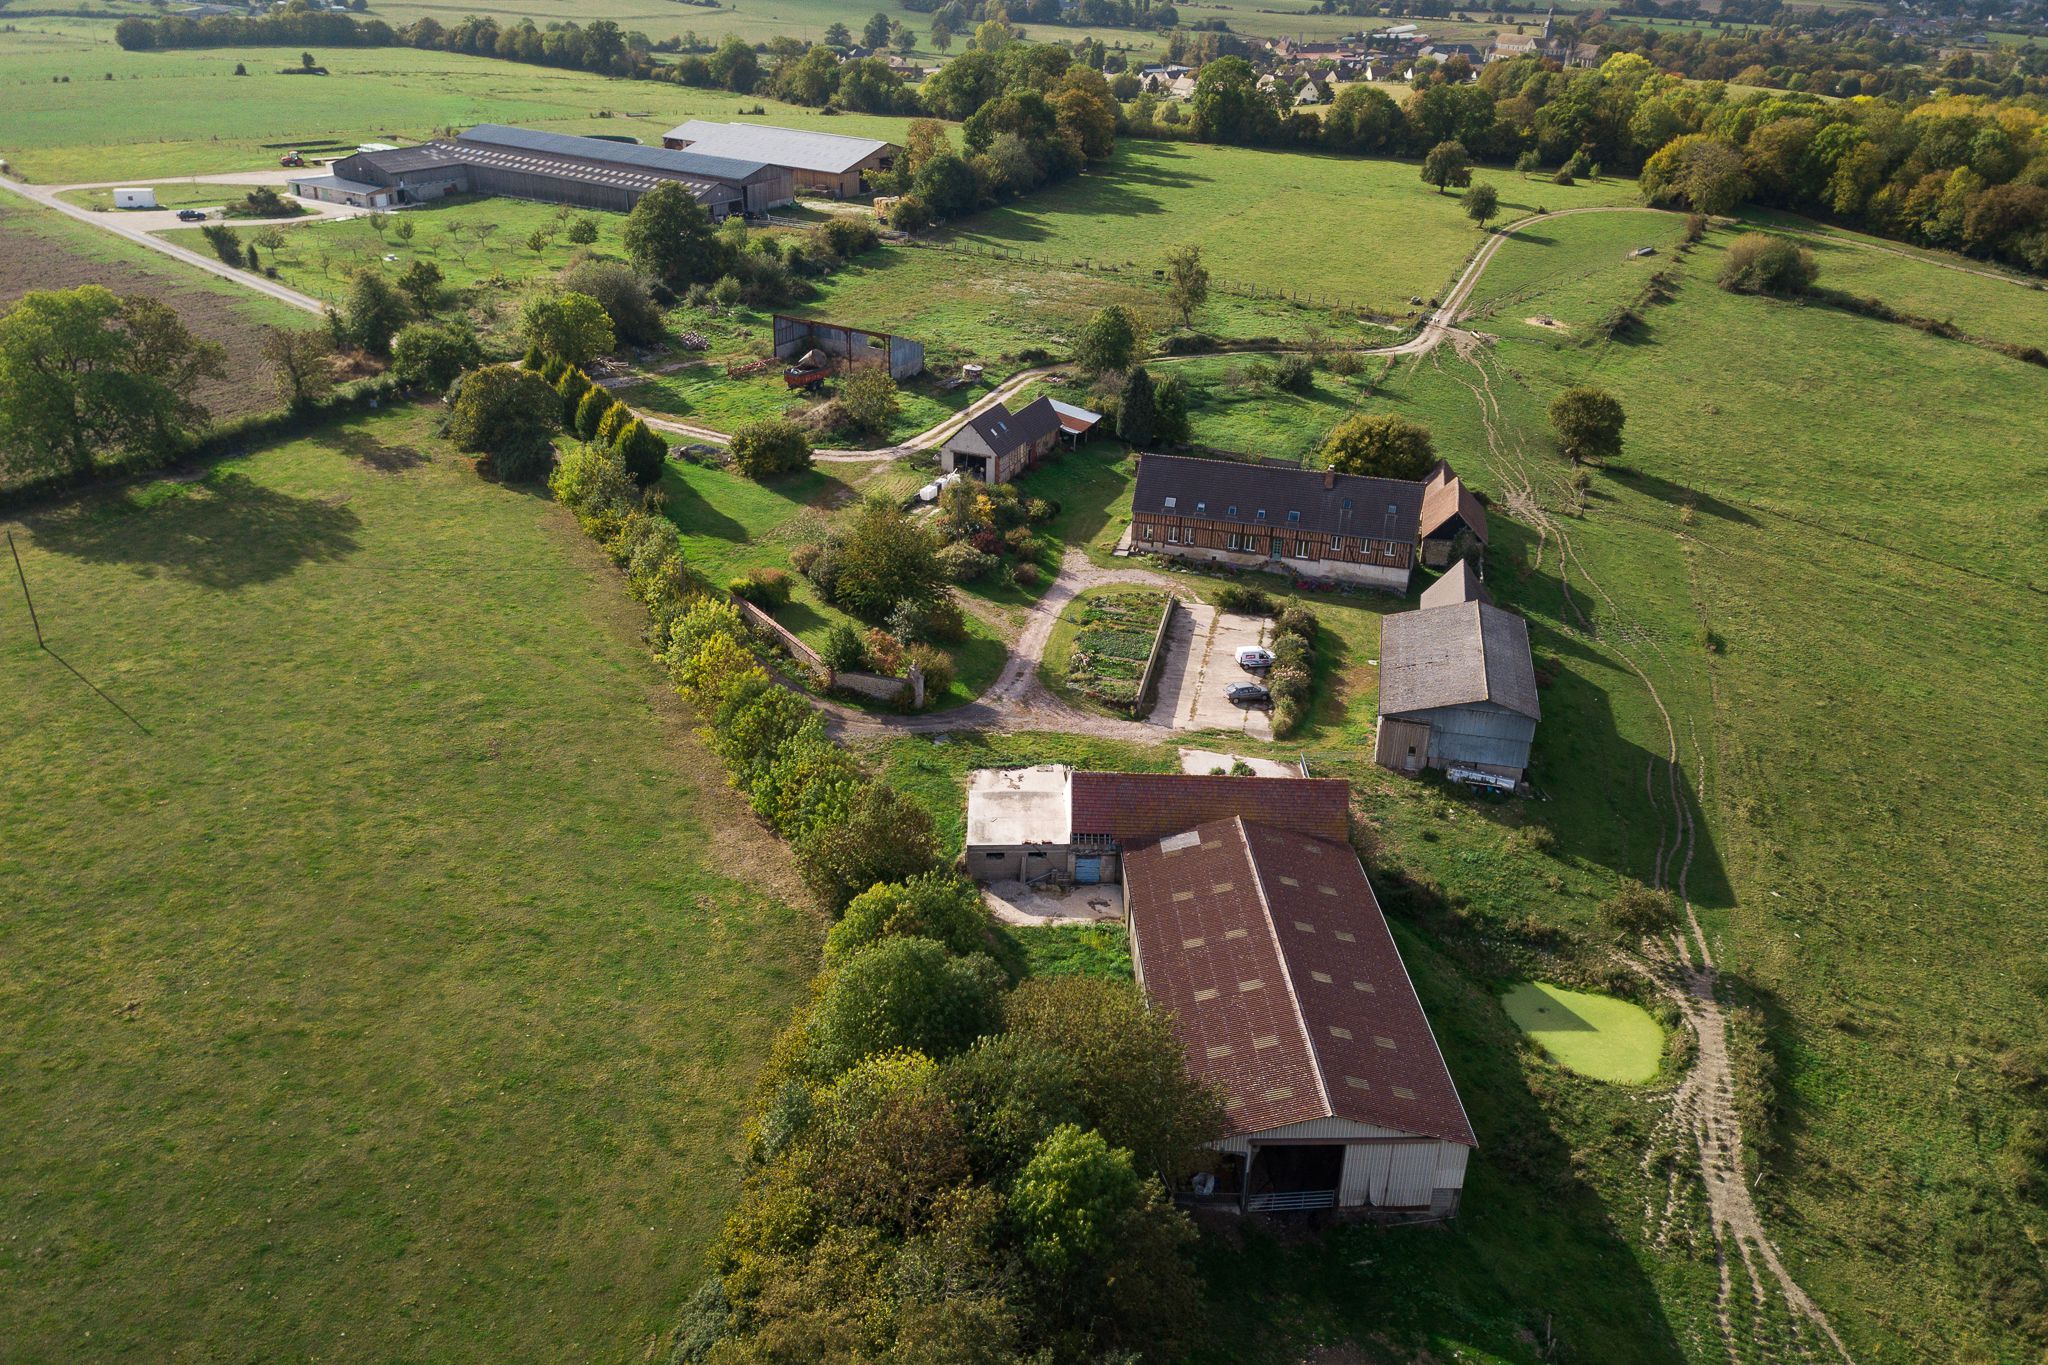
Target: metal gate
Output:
{"points": [[1088, 871]]}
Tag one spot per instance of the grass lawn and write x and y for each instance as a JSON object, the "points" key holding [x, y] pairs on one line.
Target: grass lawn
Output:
{"points": [[1594, 1035], [1075, 950], [397, 979], [703, 393], [177, 194], [1268, 219]]}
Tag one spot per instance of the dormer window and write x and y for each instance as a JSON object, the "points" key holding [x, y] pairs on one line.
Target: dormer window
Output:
{"points": [[1347, 504], [1200, 508], [1231, 510], [1261, 515]]}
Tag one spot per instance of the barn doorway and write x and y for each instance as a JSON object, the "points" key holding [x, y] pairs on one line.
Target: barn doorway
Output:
{"points": [[1294, 1177]]}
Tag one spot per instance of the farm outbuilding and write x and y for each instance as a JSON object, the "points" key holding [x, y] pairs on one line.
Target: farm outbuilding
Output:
{"points": [[1251, 919], [553, 168], [795, 336], [997, 445], [1451, 513], [1457, 692], [820, 163], [138, 198]]}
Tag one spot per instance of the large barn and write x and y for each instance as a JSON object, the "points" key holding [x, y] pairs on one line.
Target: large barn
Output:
{"points": [[820, 163], [1253, 922], [555, 168], [1457, 687]]}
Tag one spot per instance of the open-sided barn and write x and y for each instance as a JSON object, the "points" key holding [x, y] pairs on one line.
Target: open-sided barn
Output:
{"points": [[821, 163]]}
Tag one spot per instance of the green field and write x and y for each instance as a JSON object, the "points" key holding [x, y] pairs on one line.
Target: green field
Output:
{"points": [[1271, 220], [392, 984], [184, 112], [1594, 1035]]}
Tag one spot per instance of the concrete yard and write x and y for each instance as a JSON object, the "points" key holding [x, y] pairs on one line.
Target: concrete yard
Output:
{"points": [[1200, 667], [1044, 905], [1200, 762]]}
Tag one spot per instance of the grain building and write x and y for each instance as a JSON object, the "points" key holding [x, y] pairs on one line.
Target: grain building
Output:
{"points": [[554, 168]]}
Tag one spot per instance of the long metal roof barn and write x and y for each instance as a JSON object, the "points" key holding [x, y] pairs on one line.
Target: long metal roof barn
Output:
{"points": [[616, 153], [825, 153]]}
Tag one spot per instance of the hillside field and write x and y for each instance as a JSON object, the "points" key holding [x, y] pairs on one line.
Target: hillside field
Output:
{"points": [[394, 983]]}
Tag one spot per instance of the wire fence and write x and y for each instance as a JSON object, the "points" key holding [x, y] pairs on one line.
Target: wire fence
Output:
{"points": [[1244, 289]]}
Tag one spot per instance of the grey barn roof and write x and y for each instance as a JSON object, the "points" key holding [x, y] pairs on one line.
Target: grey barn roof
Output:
{"points": [[1265, 495], [1005, 431], [1456, 656], [826, 153], [614, 153], [1459, 584]]}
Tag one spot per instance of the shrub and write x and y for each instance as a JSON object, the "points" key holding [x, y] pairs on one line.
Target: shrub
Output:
{"points": [[571, 387], [965, 564], [507, 414], [1295, 374], [846, 236], [1020, 541], [937, 906], [884, 837], [429, 355], [804, 556], [1346, 363], [613, 424], [1563, 177], [916, 620], [571, 325], [590, 413], [843, 652], [1301, 622], [1761, 263], [624, 295], [644, 452], [224, 242], [937, 667], [1636, 911], [883, 653], [766, 588], [583, 231], [902, 993], [1026, 575], [593, 483], [1243, 601], [769, 447]]}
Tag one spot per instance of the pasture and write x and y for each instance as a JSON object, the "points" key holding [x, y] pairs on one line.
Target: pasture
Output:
{"points": [[185, 112], [1269, 219], [394, 981]]}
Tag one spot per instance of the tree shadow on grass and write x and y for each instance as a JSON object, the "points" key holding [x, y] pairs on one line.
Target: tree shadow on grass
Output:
{"points": [[1679, 495], [378, 455], [693, 513], [227, 532]]}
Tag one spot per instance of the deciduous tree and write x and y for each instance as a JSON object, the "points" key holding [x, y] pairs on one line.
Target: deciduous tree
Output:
{"points": [[509, 415], [1588, 423], [1378, 444], [1109, 341], [769, 447], [1447, 164], [669, 236], [573, 327], [1187, 282]]}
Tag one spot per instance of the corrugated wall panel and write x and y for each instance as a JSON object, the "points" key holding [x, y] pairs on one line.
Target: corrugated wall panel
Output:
{"points": [[1411, 1174], [1450, 1165]]}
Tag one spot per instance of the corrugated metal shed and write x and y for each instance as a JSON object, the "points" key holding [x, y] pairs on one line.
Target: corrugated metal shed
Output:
{"points": [[825, 153], [1456, 656], [615, 153]]}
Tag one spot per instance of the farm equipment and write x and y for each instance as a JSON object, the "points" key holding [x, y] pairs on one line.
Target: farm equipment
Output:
{"points": [[291, 158], [809, 371]]}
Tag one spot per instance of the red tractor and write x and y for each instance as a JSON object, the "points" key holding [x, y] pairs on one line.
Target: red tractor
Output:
{"points": [[291, 159]]}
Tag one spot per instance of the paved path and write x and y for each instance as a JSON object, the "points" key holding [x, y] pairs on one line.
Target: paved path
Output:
{"points": [[46, 195]]}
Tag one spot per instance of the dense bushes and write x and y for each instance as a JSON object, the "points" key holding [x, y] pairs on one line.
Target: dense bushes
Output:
{"points": [[508, 415], [1292, 677], [876, 560], [770, 447], [1762, 263]]}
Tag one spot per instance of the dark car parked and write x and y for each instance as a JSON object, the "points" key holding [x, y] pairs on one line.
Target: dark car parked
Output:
{"points": [[1250, 694], [191, 215]]}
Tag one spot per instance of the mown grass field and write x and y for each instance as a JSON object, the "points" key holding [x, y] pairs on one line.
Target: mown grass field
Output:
{"points": [[1272, 220], [184, 112], [393, 985], [1594, 1035]]}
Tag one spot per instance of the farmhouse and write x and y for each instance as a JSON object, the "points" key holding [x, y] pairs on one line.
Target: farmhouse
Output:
{"points": [[1253, 922], [555, 168], [821, 163], [1457, 688], [999, 445], [1314, 524], [1449, 511]]}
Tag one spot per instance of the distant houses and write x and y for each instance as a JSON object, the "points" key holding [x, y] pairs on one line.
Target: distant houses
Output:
{"points": [[1252, 921]]}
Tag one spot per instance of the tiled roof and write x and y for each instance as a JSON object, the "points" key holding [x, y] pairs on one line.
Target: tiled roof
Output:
{"points": [[1284, 981], [1455, 656], [1445, 496], [1459, 584], [1278, 496], [825, 153], [1133, 807]]}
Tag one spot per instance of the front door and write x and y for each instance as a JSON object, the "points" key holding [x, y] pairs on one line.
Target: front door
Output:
{"points": [[1087, 871]]}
